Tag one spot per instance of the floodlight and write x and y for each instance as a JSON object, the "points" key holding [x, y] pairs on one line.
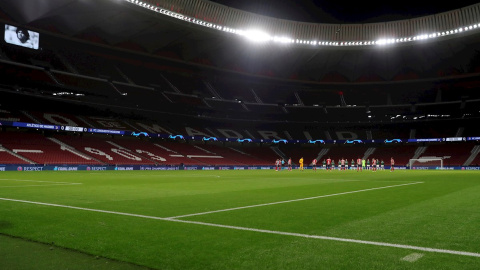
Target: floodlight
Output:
{"points": [[282, 39], [381, 42], [255, 35]]}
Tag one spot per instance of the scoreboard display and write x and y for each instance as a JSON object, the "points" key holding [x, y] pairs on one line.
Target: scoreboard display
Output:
{"points": [[21, 37]]}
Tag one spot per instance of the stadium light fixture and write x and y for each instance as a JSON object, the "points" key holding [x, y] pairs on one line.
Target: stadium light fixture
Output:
{"points": [[255, 35], [381, 42], [284, 40], [261, 36]]}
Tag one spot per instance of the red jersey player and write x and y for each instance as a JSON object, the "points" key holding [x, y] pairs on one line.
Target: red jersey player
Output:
{"points": [[289, 164], [359, 164], [374, 165], [343, 164], [314, 164], [392, 163], [329, 164]]}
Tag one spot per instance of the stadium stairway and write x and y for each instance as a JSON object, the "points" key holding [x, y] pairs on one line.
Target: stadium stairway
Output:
{"points": [[369, 152], [279, 152], [420, 150], [474, 154], [30, 116], [322, 153], [11, 160]]}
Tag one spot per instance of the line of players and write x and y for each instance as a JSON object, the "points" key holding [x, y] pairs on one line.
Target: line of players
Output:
{"points": [[329, 164]]}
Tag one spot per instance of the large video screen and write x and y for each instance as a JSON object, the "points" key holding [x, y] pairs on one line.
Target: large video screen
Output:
{"points": [[21, 37]]}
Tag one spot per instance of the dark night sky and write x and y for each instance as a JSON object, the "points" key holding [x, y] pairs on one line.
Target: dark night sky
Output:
{"points": [[322, 11]]}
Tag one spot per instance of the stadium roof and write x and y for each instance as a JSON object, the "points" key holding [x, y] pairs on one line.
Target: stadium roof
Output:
{"points": [[120, 25], [321, 11]]}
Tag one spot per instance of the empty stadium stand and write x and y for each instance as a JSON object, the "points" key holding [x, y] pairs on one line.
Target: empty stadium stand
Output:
{"points": [[107, 151], [453, 154], [34, 148]]}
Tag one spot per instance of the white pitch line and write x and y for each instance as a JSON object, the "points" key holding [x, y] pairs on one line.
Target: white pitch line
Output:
{"points": [[373, 243], [347, 240], [166, 175], [47, 185], [289, 201], [37, 181]]}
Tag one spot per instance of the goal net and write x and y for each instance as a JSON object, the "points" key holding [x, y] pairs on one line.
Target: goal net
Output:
{"points": [[426, 163]]}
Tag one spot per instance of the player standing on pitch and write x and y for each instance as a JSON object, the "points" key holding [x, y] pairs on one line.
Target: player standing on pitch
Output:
{"points": [[314, 164], [392, 163], [289, 164], [301, 164], [374, 165], [359, 164], [329, 164]]}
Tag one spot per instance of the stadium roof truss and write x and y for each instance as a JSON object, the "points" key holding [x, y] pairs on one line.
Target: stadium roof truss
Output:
{"points": [[249, 25]]}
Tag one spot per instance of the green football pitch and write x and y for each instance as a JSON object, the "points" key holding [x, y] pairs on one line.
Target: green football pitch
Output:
{"points": [[255, 219]]}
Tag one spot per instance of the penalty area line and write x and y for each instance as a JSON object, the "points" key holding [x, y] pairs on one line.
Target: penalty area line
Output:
{"points": [[308, 236], [289, 201]]}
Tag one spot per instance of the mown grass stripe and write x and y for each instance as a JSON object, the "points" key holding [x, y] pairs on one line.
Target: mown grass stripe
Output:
{"points": [[320, 237], [294, 200]]}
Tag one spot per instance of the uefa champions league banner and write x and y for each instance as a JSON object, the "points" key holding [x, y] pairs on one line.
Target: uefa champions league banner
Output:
{"points": [[245, 140]]}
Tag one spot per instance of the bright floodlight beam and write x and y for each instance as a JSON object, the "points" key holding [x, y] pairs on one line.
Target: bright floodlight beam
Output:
{"points": [[256, 36], [284, 40]]}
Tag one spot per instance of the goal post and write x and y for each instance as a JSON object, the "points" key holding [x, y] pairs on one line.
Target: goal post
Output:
{"points": [[422, 163]]}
